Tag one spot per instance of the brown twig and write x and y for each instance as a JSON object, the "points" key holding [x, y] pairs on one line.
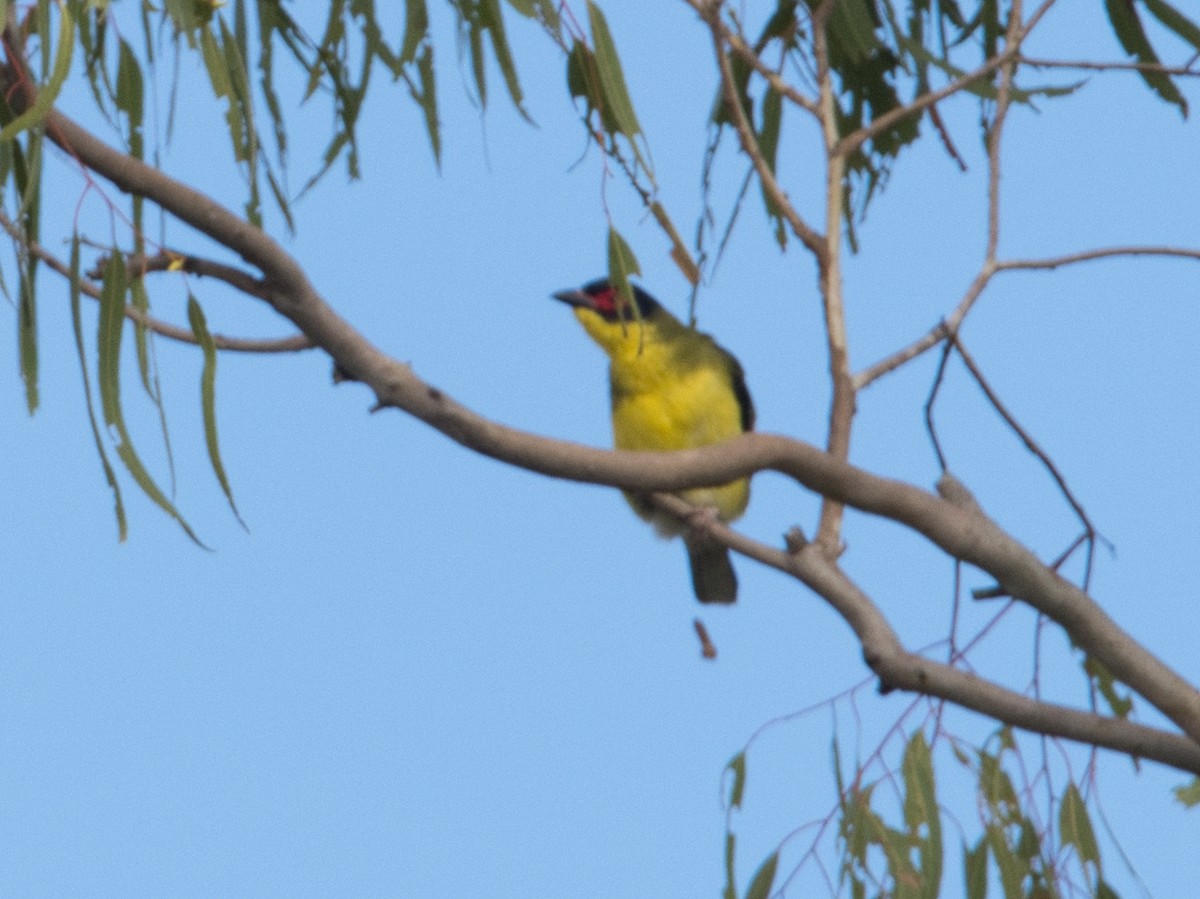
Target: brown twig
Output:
{"points": [[1151, 67], [164, 329], [739, 46], [805, 233]]}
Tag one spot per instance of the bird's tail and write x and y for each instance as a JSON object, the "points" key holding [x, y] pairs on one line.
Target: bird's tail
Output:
{"points": [[713, 578]]}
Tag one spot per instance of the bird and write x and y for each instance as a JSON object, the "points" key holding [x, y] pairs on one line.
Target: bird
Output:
{"points": [[671, 388]]}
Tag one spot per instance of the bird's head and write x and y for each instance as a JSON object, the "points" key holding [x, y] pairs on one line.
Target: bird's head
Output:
{"points": [[608, 317]]}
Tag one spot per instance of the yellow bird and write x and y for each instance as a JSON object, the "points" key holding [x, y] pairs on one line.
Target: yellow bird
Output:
{"points": [[672, 388]]}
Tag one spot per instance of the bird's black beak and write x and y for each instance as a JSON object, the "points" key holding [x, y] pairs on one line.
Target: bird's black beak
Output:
{"points": [[574, 298]]}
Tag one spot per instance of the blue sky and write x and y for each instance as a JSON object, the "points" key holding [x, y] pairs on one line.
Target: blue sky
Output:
{"points": [[423, 673]]}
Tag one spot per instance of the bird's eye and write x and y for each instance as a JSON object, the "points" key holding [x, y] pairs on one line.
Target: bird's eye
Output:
{"points": [[606, 301]]}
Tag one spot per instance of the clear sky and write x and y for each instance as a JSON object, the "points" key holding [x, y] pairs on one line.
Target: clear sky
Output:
{"points": [[423, 673]]}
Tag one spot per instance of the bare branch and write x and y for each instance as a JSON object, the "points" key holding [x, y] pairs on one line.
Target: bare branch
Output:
{"points": [[164, 329], [899, 669], [1052, 262], [937, 333], [1158, 68], [773, 78], [168, 260]]}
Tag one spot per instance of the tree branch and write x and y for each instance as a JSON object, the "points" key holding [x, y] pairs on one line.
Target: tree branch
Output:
{"points": [[953, 322], [899, 669], [804, 232], [155, 325], [959, 528], [842, 399]]}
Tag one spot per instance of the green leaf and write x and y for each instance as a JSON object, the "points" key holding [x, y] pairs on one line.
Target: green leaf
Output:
{"points": [[621, 264], [975, 869], [416, 27], [741, 71], [612, 78], [1075, 826], [852, 29], [427, 100], [1013, 870], [730, 891], [208, 402], [130, 95], [760, 886], [1174, 20], [921, 814], [111, 326], [1123, 17], [494, 23], [545, 11], [737, 789], [27, 337], [768, 144], [48, 93], [1189, 795], [1104, 681], [77, 324]]}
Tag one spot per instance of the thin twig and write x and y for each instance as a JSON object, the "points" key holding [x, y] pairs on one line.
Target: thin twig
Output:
{"points": [[157, 326], [772, 77], [1150, 67], [805, 233], [1052, 262]]}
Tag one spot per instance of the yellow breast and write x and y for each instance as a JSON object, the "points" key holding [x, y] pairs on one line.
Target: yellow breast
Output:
{"points": [[673, 388]]}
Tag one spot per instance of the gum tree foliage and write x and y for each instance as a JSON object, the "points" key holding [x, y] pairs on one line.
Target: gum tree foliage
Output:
{"points": [[865, 80]]}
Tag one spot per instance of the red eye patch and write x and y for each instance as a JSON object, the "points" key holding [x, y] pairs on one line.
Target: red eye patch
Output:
{"points": [[606, 301]]}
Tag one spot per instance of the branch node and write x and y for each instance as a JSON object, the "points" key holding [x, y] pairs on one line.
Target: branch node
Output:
{"points": [[794, 540], [953, 491]]}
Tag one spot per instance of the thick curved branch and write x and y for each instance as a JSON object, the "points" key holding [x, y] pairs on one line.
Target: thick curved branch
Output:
{"points": [[899, 669]]}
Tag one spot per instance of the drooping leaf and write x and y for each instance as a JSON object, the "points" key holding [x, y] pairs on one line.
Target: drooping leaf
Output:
{"points": [[1075, 826], [768, 144], [1189, 795], [208, 402], [975, 869], [621, 264], [1123, 16], [111, 326], [416, 27], [730, 891], [493, 20], [612, 78], [27, 340], [77, 324], [1174, 20], [737, 789], [764, 878], [921, 813], [1106, 684]]}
